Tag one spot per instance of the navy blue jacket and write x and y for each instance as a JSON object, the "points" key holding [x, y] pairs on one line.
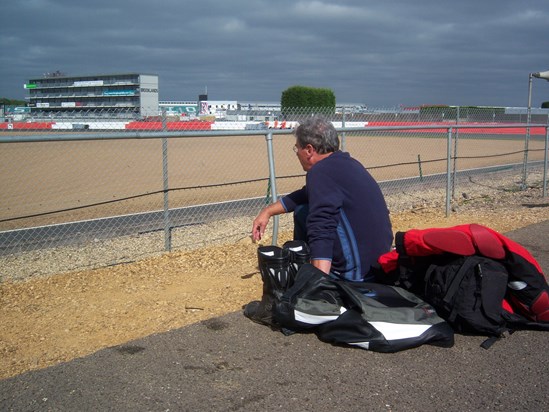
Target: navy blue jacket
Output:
{"points": [[348, 221]]}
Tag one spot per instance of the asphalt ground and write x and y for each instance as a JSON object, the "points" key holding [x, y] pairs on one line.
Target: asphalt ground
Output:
{"points": [[232, 364]]}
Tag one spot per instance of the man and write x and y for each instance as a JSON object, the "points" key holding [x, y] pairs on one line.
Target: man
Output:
{"points": [[340, 212]]}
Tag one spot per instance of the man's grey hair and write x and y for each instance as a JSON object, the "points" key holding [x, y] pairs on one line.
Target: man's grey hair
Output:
{"points": [[319, 133]]}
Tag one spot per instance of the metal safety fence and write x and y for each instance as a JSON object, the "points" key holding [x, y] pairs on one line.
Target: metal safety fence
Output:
{"points": [[87, 197]]}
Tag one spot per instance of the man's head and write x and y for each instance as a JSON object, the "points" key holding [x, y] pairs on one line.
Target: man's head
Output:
{"points": [[316, 139], [319, 133]]}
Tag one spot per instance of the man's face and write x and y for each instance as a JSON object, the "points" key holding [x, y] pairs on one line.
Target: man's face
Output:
{"points": [[304, 156]]}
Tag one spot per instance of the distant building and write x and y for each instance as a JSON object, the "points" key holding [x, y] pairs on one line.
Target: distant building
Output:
{"points": [[179, 108], [128, 95], [14, 113], [217, 108]]}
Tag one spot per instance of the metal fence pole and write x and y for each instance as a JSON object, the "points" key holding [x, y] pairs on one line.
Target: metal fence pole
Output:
{"points": [[527, 137], [272, 180], [167, 228], [545, 160], [166, 216], [456, 138], [343, 137], [448, 171]]}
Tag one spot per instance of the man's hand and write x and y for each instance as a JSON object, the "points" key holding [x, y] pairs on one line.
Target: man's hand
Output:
{"points": [[262, 219], [259, 225]]}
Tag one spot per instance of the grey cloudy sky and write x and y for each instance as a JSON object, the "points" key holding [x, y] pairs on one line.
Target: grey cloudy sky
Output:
{"points": [[379, 53]]}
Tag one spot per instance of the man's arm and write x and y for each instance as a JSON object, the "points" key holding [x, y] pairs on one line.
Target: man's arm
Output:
{"points": [[325, 203], [323, 265], [262, 219]]}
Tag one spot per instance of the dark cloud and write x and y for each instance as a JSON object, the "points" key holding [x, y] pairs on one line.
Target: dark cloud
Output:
{"points": [[371, 52]]}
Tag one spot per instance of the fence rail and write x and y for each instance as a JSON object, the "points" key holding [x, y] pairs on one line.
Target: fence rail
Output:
{"points": [[69, 191]]}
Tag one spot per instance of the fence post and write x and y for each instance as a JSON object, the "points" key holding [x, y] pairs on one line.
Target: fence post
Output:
{"points": [[272, 181], [456, 138], [527, 137], [166, 215], [419, 165], [343, 139], [545, 160], [167, 228], [448, 171]]}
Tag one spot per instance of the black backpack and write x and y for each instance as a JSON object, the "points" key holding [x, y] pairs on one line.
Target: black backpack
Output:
{"points": [[478, 280], [468, 292]]}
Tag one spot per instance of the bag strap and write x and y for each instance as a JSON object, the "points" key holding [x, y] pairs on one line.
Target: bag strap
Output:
{"points": [[487, 344], [469, 262], [405, 276]]}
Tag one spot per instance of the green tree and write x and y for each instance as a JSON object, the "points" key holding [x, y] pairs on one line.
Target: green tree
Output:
{"points": [[307, 100], [545, 105]]}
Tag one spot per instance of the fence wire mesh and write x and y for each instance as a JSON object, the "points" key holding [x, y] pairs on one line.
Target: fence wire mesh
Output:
{"points": [[89, 191]]}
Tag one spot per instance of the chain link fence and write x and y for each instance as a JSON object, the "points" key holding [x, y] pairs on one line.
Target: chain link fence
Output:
{"points": [[89, 192]]}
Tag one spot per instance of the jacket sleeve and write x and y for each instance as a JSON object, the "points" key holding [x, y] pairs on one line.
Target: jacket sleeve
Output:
{"points": [[290, 201], [325, 203]]}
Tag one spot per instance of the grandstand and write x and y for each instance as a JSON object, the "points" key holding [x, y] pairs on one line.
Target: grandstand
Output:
{"points": [[119, 96]]}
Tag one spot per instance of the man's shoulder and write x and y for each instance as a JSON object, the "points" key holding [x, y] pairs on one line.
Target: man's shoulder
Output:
{"points": [[335, 157], [338, 160], [333, 167]]}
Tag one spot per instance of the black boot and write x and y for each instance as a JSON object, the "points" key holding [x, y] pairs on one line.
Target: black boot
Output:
{"points": [[299, 254], [275, 268]]}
